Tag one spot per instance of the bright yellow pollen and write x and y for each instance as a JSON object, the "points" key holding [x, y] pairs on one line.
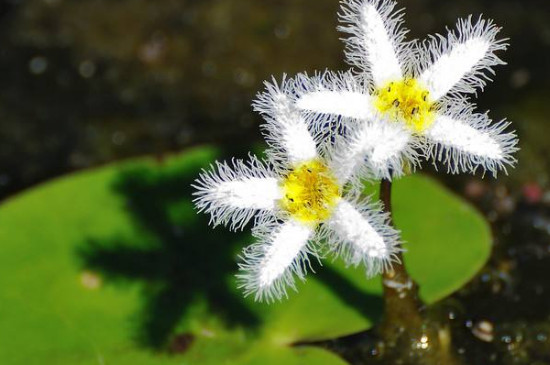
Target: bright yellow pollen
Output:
{"points": [[310, 192], [406, 101]]}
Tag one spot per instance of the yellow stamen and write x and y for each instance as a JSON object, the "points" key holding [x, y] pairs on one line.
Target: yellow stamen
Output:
{"points": [[406, 101], [310, 192]]}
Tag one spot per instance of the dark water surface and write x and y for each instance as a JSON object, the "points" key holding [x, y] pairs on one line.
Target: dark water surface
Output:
{"points": [[89, 81]]}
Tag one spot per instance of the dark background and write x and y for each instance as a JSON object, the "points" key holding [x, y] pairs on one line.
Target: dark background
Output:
{"points": [[86, 82]]}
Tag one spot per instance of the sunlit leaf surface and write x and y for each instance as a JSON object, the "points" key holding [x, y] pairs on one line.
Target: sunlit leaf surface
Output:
{"points": [[113, 266]]}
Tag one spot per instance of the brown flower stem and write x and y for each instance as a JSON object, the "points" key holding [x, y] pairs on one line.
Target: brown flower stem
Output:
{"points": [[408, 331], [401, 302]]}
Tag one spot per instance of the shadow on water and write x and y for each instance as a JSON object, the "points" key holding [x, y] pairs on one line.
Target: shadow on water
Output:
{"points": [[179, 259]]}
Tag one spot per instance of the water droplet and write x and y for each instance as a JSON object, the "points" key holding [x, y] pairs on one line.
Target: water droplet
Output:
{"points": [[423, 343], [484, 331]]}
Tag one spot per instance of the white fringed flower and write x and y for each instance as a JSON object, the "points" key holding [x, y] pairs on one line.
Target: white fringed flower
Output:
{"points": [[300, 198], [409, 97]]}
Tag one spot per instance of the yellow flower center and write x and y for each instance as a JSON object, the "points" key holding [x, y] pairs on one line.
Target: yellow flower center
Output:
{"points": [[310, 192], [406, 101]]}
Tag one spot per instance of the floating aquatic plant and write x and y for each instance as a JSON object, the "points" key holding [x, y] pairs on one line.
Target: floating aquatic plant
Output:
{"points": [[404, 102], [300, 199]]}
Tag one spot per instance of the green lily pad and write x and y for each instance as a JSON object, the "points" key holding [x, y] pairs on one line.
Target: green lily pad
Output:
{"points": [[113, 266], [447, 240]]}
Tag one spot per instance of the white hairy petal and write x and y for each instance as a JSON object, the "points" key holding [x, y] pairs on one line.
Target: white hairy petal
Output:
{"points": [[285, 129], [387, 147], [471, 141], [376, 37], [233, 194], [345, 103], [462, 61], [347, 157], [363, 235], [270, 265], [293, 135], [324, 97], [363, 153]]}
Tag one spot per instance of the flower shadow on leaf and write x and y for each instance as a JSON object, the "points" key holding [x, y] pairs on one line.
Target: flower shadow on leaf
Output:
{"points": [[182, 263], [177, 256]]}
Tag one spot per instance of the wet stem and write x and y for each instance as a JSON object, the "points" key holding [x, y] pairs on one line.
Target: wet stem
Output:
{"points": [[402, 306], [407, 328]]}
